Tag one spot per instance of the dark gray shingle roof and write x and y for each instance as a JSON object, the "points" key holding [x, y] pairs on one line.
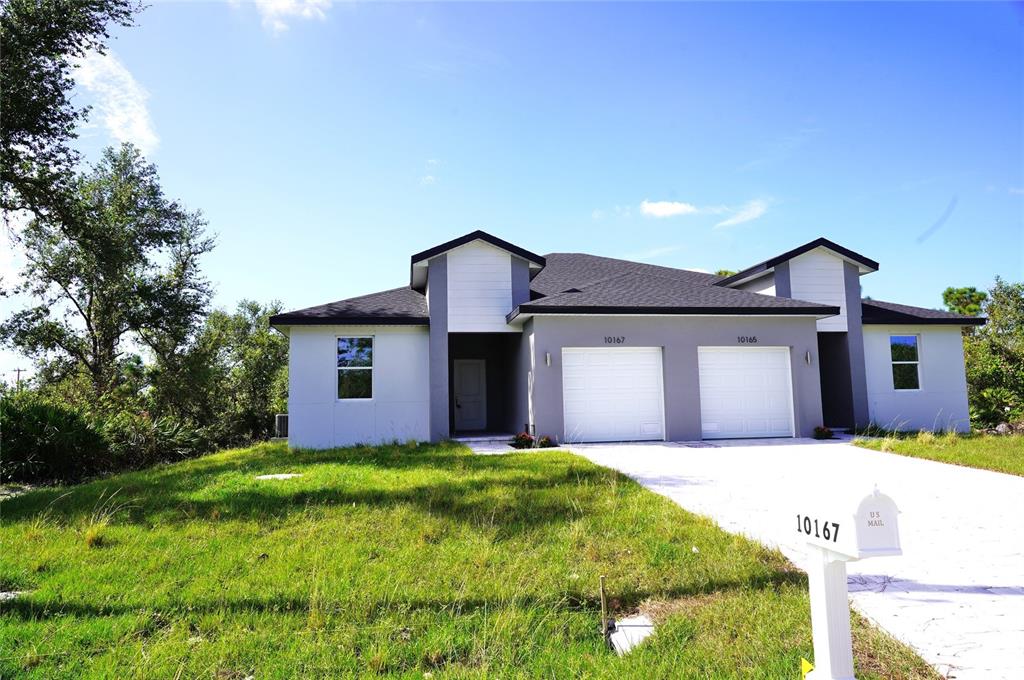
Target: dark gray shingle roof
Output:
{"points": [[398, 306], [645, 292], [878, 312], [577, 270]]}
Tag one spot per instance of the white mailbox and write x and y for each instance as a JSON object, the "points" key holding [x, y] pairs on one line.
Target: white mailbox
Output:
{"points": [[854, 526], [840, 528]]}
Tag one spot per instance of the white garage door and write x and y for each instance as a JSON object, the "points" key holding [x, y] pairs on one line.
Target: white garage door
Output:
{"points": [[745, 392], [612, 394]]}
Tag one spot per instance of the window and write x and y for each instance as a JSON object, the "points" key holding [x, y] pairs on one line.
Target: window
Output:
{"points": [[355, 368], [905, 373]]}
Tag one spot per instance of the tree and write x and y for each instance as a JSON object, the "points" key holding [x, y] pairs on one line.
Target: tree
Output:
{"points": [[966, 301], [231, 378], [40, 40], [258, 358], [126, 268], [994, 357], [725, 272]]}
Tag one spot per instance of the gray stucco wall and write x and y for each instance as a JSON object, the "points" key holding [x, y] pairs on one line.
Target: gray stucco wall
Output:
{"points": [[679, 337], [783, 283], [520, 281], [437, 299], [520, 384], [855, 340]]}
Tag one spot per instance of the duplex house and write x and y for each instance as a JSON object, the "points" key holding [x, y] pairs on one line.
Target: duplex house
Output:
{"points": [[488, 337]]}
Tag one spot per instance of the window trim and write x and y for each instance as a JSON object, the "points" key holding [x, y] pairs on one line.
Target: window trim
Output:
{"points": [[893, 362], [338, 369]]}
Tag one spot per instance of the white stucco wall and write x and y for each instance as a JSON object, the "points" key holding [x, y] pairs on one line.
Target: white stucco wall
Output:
{"points": [[764, 285], [818, 276], [941, 403], [479, 289], [398, 409]]}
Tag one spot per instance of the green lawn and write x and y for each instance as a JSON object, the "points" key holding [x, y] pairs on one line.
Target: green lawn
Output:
{"points": [[396, 561], [988, 452]]}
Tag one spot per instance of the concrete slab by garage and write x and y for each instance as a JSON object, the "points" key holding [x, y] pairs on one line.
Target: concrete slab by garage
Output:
{"points": [[956, 595]]}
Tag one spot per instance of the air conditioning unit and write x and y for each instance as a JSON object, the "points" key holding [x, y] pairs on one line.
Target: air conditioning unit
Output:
{"points": [[281, 425]]}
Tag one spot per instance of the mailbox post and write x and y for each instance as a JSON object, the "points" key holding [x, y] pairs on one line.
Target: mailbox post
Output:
{"points": [[840, 530]]}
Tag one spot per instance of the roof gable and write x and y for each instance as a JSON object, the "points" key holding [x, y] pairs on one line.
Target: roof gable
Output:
{"points": [[865, 264]]}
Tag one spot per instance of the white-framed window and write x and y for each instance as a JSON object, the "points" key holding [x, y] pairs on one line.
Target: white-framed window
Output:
{"points": [[355, 367], [906, 361]]}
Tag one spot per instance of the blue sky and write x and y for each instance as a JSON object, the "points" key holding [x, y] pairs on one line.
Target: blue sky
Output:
{"points": [[327, 142]]}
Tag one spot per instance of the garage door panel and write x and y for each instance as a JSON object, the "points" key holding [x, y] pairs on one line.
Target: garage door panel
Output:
{"points": [[612, 394], [745, 392]]}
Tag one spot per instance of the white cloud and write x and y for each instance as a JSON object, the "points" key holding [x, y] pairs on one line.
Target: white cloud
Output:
{"points": [[427, 180], [597, 214], [119, 99], [750, 210], [276, 14], [1017, 191], [666, 208], [696, 269], [747, 213]]}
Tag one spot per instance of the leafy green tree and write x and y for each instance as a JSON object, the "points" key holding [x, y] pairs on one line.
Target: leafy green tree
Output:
{"points": [[994, 358], [966, 301], [40, 39], [126, 269], [257, 357], [725, 272], [231, 378]]}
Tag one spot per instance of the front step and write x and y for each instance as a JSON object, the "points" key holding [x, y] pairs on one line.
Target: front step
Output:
{"points": [[490, 438]]}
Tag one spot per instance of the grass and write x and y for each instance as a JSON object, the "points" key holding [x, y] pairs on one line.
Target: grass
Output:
{"points": [[1000, 453], [398, 561]]}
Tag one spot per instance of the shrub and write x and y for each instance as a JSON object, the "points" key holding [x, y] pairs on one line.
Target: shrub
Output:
{"points": [[41, 441], [546, 442], [137, 440], [523, 440], [822, 432]]}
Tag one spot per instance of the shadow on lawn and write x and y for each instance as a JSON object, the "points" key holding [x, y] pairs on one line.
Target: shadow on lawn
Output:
{"points": [[29, 609], [515, 492]]}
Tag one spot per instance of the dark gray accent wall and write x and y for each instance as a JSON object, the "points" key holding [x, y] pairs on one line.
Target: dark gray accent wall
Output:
{"points": [[437, 300], [783, 283], [520, 379], [499, 352], [855, 341], [836, 390], [679, 338], [520, 281]]}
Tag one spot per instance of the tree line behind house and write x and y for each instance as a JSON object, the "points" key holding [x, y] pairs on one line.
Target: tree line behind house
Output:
{"points": [[132, 364], [133, 367]]}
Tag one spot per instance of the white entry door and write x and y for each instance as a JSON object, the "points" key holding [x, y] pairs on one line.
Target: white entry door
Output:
{"points": [[745, 392], [612, 394], [470, 394]]}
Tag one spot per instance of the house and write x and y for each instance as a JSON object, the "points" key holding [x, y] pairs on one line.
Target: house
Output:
{"points": [[488, 337]]}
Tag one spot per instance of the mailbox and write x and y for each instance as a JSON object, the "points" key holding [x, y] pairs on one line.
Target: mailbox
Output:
{"points": [[853, 526], [840, 528]]}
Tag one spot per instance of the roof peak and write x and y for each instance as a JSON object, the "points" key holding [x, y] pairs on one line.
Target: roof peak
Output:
{"points": [[863, 262]]}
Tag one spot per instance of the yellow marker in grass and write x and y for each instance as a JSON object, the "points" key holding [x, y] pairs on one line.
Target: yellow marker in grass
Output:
{"points": [[805, 668]]}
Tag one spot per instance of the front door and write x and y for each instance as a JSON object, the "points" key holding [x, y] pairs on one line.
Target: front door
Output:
{"points": [[470, 394]]}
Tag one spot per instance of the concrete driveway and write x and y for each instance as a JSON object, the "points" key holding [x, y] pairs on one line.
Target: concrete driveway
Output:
{"points": [[956, 595]]}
